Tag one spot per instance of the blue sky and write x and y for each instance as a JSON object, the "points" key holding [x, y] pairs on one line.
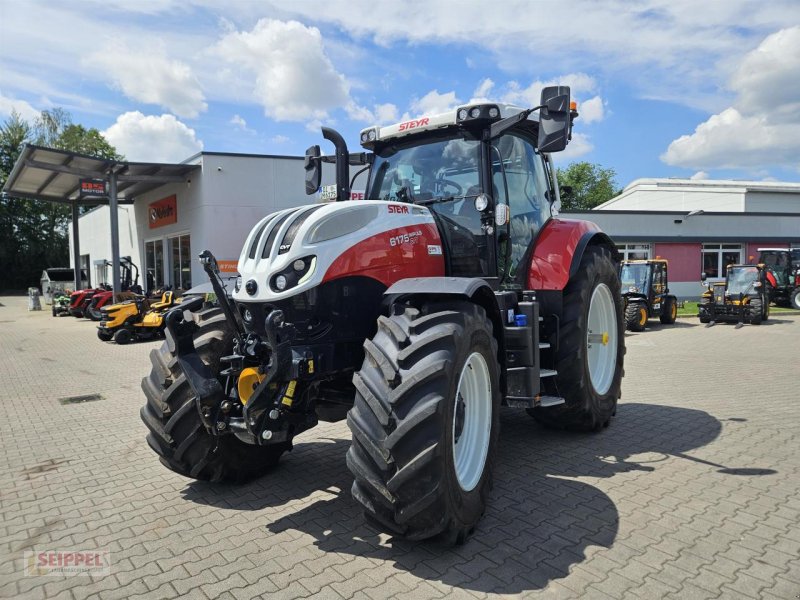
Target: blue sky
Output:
{"points": [[665, 88]]}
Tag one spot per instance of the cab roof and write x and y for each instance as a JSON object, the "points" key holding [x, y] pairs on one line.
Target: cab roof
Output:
{"points": [[450, 118]]}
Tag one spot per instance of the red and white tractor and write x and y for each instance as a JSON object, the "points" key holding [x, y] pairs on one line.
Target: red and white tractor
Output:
{"points": [[453, 290]]}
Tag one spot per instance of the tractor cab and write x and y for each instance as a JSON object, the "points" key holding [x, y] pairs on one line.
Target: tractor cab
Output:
{"points": [[645, 291], [483, 172], [742, 297], [782, 266]]}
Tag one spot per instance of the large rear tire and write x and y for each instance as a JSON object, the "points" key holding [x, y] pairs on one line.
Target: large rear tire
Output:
{"points": [[177, 433], [425, 421], [591, 347]]}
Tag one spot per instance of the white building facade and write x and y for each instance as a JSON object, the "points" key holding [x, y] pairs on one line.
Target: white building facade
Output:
{"points": [[165, 229]]}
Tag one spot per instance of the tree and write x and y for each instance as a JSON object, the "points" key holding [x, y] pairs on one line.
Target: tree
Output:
{"points": [[33, 233], [585, 185]]}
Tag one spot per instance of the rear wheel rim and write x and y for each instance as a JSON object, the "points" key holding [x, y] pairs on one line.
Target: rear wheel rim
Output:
{"points": [[472, 421], [674, 311], [601, 339]]}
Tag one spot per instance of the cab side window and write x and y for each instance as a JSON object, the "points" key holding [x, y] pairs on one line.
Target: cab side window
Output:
{"points": [[520, 180]]}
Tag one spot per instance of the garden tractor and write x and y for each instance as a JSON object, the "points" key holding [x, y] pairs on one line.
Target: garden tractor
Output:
{"points": [[129, 286], [645, 291], [741, 298], [60, 304], [415, 314], [135, 319], [783, 275]]}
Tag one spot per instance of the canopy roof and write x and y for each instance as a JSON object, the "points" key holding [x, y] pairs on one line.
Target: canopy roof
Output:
{"points": [[54, 175]]}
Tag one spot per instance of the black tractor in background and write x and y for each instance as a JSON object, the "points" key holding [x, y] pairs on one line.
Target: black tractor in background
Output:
{"points": [[782, 267], [741, 298], [645, 291]]}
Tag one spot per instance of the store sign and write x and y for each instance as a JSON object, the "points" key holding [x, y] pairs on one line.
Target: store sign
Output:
{"points": [[228, 266], [163, 212], [93, 188]]}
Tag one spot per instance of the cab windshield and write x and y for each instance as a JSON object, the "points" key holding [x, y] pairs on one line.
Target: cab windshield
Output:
{"points": [[426, 171], [741, 280], [634, 277]]}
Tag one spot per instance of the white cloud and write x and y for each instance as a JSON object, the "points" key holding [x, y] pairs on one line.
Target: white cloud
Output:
{"points": [[386, 113], [239, 123], [662, 48], [279, 139], [699, 176], [762, 128], [24, 109], [148, 75], [152, 139], [293, 79], [591, 110], [380, 115], [481, 92], [580, 145], [433, 103]]}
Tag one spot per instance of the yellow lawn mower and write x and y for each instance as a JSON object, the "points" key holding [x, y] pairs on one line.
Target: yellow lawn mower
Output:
{"points": [[136, 319]]}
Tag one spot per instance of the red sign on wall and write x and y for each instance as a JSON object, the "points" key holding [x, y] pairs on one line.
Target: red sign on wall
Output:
{"points": [[163, 212]]}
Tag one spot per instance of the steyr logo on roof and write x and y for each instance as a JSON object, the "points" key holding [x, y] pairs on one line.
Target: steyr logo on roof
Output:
{"points": [[413, 124], [398, 209]]}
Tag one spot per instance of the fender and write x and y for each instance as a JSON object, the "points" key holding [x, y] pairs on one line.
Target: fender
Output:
{"points": [[472, 288], [558, 252]]}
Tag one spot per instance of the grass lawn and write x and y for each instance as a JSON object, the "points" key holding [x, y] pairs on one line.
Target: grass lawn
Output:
{"points": [[690, 310]]}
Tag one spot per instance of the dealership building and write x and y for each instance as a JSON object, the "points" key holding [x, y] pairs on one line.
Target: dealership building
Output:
{"points": [[213, 208], [699, 226], [166, 214]]}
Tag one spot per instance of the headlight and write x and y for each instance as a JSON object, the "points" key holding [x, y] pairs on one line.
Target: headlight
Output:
{"points": [[238, 285], [343, 222], [298, 272]]}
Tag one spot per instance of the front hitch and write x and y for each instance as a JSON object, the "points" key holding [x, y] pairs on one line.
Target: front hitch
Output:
{"points": [[179, 334]]}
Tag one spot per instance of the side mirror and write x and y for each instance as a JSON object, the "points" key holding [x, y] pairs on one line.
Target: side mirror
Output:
{"points": [[313, 167], [554, 119]]}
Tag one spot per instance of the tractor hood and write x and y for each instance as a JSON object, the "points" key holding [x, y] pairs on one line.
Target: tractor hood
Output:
{"points": [[296, 249]]}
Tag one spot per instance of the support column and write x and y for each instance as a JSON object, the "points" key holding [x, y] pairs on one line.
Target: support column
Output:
{"points": [[76, 246], [113, 209]]}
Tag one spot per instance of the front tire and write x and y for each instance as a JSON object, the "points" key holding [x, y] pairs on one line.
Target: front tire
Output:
{"points": [[591, 347], [669, 312], [756, 311], [425, 421], [177, 433], [123, 336], [794, 299], [636, 316]]}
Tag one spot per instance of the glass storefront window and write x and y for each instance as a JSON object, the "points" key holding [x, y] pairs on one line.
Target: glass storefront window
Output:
{"points": [[180, 251], [717, 257], [634, 251], [154, 265]]}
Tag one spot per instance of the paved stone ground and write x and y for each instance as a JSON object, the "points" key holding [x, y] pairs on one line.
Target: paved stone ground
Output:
{"points": [[691, 493]]}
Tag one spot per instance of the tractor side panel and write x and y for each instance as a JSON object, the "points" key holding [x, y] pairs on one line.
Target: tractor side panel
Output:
{"points": [[392, 255], [559, 246]]}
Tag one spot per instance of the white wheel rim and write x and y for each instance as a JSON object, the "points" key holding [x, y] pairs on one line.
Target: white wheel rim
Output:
{"points": [[601, 339], [472, 431]]}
